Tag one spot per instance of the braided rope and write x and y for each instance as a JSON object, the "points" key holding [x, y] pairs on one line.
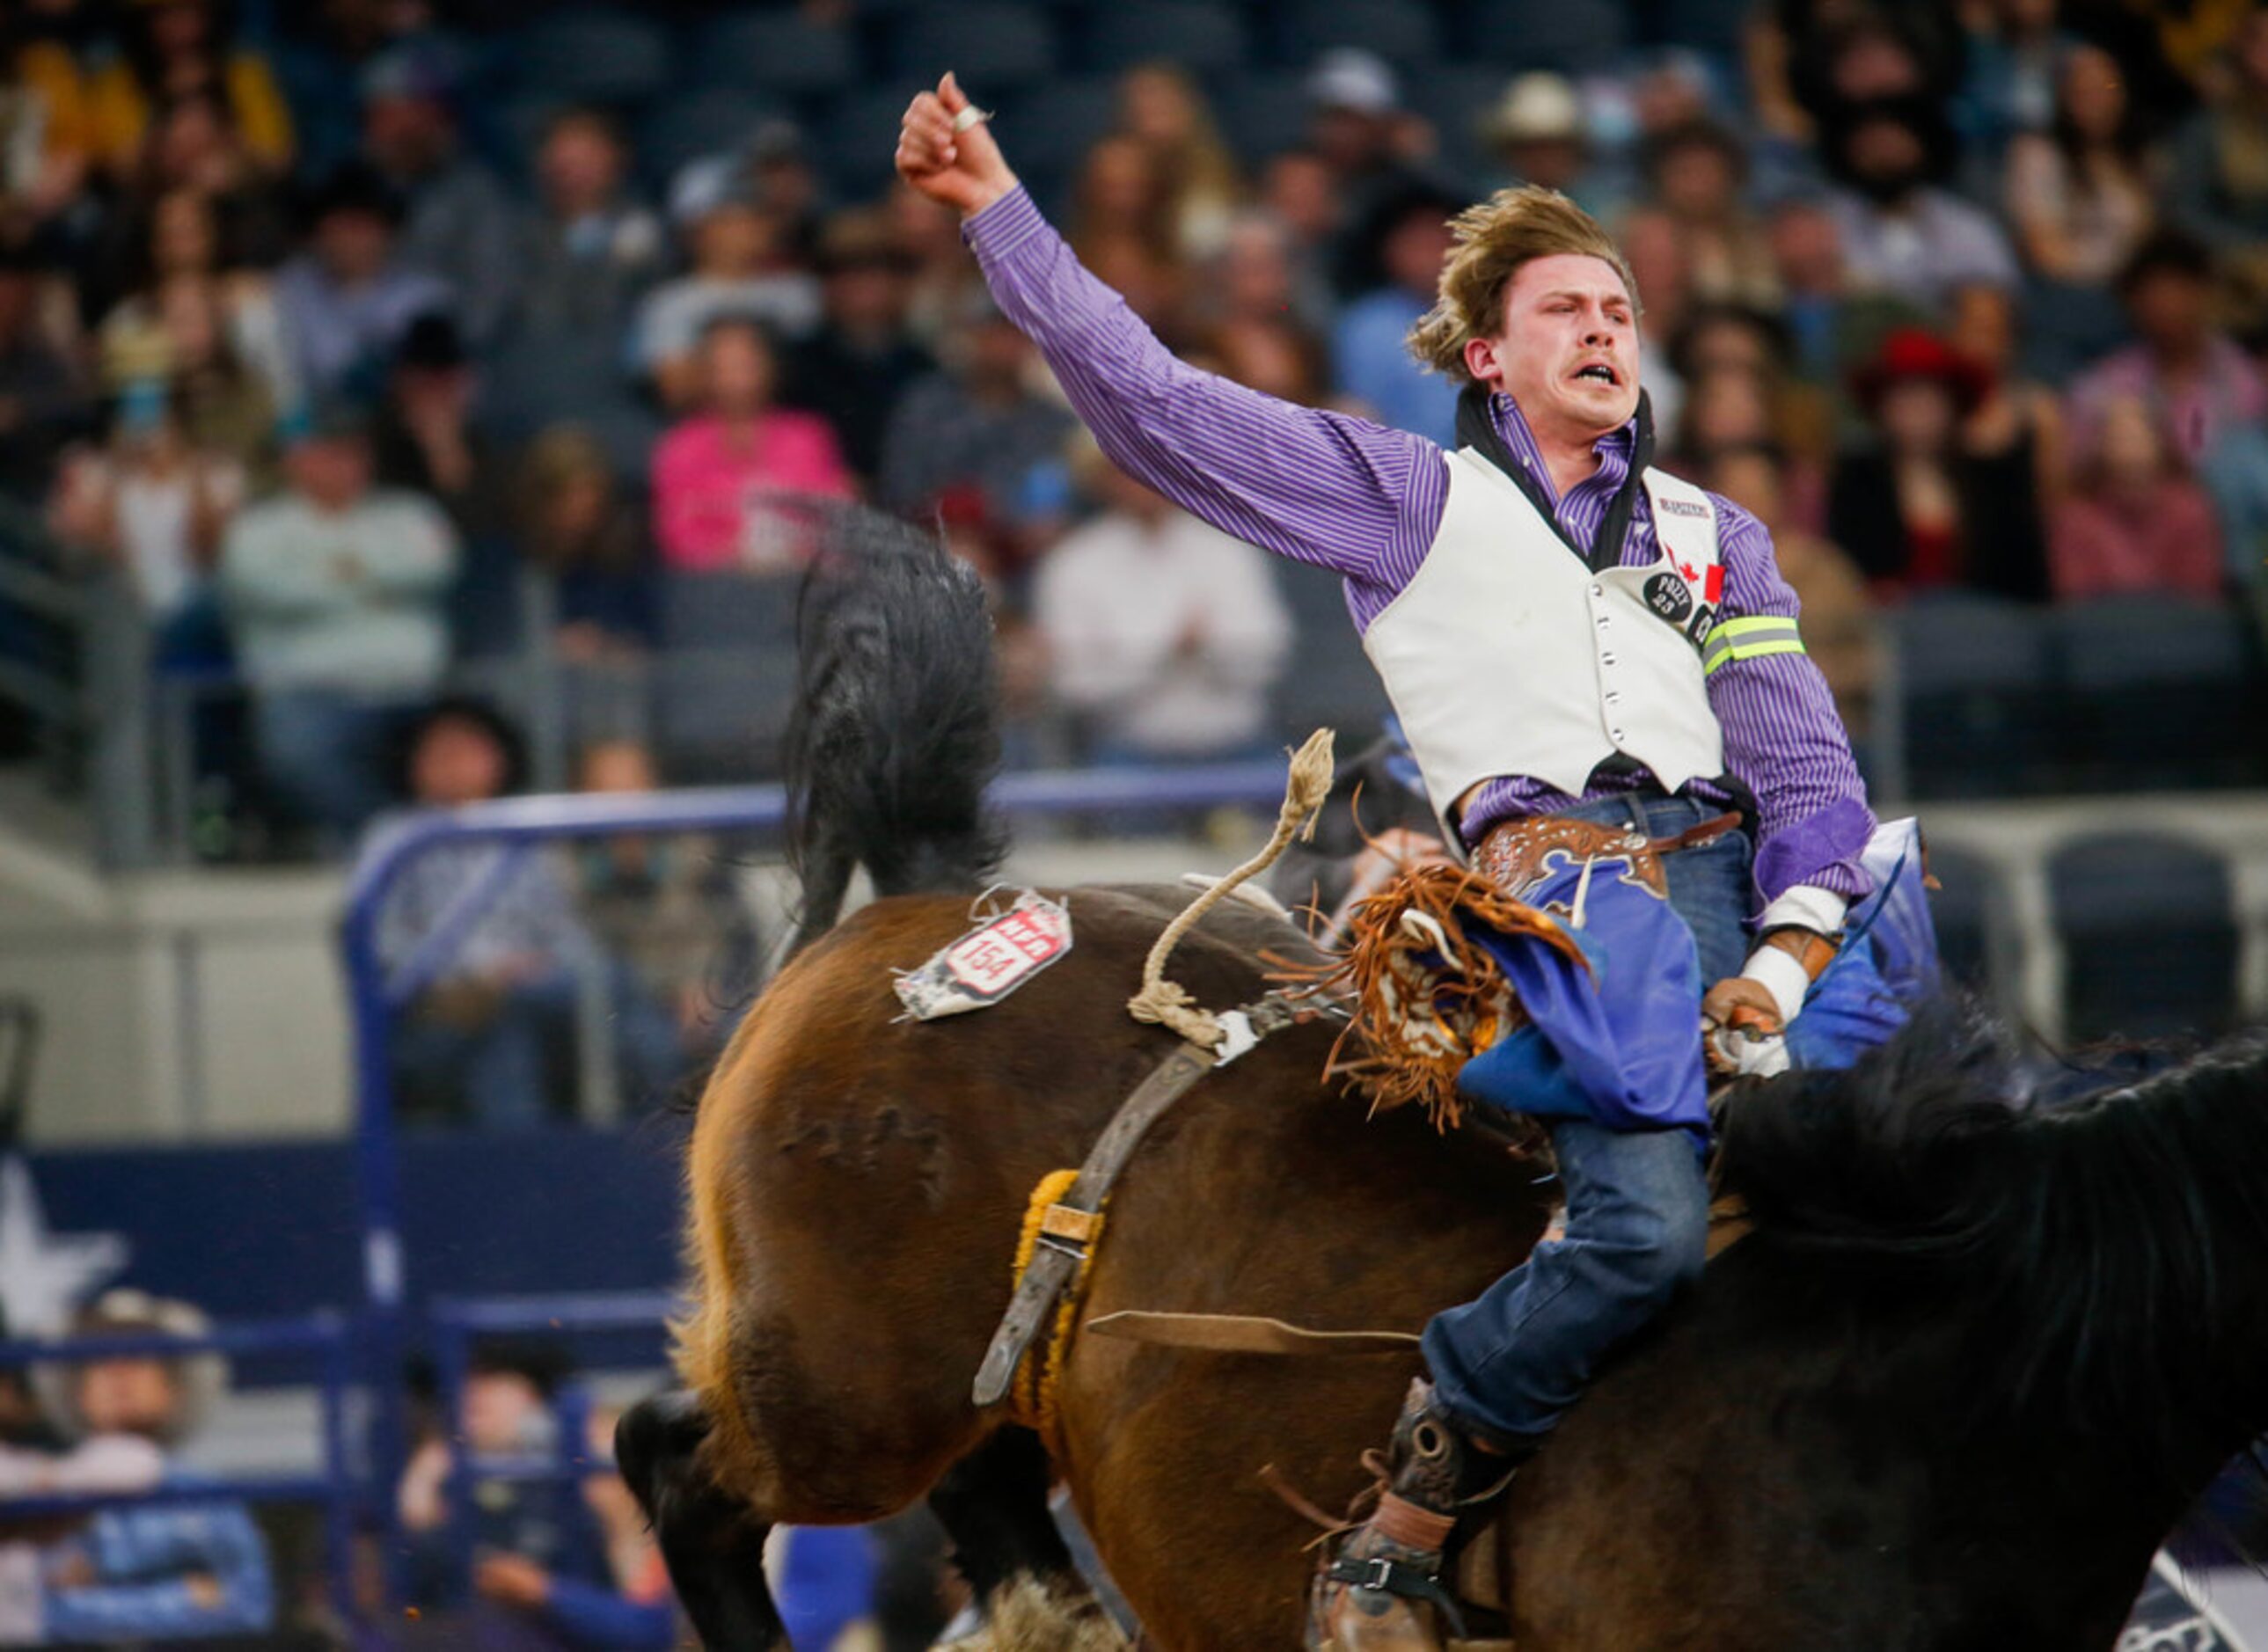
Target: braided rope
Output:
{"points": [[1168, 1004]]}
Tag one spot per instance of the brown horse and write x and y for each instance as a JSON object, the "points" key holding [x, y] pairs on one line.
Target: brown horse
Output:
{"points": [[1950, 1392]]}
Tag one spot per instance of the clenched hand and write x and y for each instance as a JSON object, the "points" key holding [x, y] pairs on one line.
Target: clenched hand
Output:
{"points": [[963, 169]]}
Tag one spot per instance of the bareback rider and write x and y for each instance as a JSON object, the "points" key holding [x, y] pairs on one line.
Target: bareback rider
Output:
{"points": [[1565, 633]]}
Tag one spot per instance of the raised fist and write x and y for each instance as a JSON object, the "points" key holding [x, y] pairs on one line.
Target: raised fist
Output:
{"points": [[963, 169]]}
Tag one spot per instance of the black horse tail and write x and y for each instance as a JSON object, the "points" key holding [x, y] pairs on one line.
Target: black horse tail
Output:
{"points": [[2109, 1254], [895, 732]]}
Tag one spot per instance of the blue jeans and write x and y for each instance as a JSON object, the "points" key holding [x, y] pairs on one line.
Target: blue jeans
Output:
{"points": [[1508, 1364]]}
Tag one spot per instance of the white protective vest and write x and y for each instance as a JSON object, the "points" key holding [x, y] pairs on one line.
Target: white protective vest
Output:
{"points": [[1507, 655]]}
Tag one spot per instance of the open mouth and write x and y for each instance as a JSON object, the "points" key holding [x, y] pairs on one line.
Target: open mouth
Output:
{"points": [[1597, 373]]}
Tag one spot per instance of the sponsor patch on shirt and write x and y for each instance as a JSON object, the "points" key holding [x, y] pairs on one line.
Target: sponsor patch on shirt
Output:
{"points": [[1000, 954]]}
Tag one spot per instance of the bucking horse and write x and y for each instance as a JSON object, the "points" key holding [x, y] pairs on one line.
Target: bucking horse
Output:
{"points": [[1966, 1365]]}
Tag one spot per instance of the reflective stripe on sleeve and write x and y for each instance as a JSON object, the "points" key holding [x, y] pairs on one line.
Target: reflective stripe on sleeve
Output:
{"points": [[1749, 639]]}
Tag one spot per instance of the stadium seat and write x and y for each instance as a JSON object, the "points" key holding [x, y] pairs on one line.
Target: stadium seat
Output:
{"points": [[724, 679], [1975, 697], [993, 48], [1205, 39], [2150, 936], [713, 121], [1975, 925], [783, 52], [591, 56], [2160, 692], [1328, 681], [1263, 112], [1572, 35], [1403, 32]]}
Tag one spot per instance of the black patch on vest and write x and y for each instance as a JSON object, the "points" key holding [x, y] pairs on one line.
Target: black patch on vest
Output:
{"points": [[1667, 595], [1705, 621]]}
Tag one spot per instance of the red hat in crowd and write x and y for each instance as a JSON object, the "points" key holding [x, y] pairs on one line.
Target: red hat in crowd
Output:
{"points": [[1914, 352]]}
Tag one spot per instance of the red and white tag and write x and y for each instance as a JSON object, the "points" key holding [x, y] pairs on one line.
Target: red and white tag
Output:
{"points": [[991, 961]]}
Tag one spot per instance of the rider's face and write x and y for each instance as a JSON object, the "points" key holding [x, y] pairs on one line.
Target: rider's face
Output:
{"points": [[1568, 353]]}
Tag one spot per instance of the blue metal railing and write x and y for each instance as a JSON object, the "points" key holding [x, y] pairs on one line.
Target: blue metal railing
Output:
{"points": [[391, 849]]}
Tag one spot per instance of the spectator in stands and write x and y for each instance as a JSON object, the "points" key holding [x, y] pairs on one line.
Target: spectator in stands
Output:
{"points": [[491, 992], [152, 502], [1694, 173], [348, 299], [632, 1607], [1806, 248], [2017, 418], [942, 281], [1370, 358], [47, 167], [425, 439], [2205, 387], [1164, 632], [1261, 274], [1299, 189], [336, 595], [43, 398], [542, 1575], [169, 1571], [2135, 520], [726, 478], [1838, 620], [574, 524], [663, 913], [1369, 141], [740, 267], [1273, 355], [2013, 83], [458, 219], [2079, 192], [181, 236], [193, 143], [1123, 223], [1914, 511], [783, 178], [587, 250], [978, 424], [1728, 339], [1902, 234], [174, 48], [2218, 178], [1162, 108], [1537, 133], [853, 371], [1656, 254]]}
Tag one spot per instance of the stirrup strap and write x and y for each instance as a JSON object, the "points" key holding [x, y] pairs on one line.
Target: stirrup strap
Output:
{"points": [[1400, 1577]]}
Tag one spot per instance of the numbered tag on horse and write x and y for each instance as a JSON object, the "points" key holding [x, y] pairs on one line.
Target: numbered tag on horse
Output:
{"points": [[991, 961]]}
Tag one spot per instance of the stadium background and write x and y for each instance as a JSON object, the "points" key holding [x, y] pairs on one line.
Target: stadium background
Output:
{"points": [[1965, 299]]}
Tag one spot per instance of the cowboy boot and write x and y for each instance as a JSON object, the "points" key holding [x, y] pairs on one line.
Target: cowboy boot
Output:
{"points": [[1382, 1591]]}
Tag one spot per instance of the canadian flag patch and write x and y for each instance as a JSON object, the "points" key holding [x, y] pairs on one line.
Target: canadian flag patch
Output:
{"points": [[993, 960]]}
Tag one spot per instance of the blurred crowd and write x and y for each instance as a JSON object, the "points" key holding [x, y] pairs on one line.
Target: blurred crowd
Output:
{"points": [[338, 330]]}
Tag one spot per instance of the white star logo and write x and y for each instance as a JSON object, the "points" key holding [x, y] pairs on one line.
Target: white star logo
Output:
{"points": [[45, 1276]]}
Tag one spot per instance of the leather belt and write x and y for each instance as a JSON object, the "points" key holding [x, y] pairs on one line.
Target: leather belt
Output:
{"points": [[1517, 855]]}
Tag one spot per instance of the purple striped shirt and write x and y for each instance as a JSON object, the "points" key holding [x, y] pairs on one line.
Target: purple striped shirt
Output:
{"points": [[1366, 502]]}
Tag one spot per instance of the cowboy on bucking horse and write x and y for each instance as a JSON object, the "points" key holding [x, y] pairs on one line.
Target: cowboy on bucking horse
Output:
{"points": [[1586, 654]]}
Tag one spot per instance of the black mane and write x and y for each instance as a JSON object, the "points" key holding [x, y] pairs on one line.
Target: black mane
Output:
{"points": [[2107, 1248]]}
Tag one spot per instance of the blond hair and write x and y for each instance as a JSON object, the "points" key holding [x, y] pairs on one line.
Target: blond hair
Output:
{"points": [[1490, 242]]}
